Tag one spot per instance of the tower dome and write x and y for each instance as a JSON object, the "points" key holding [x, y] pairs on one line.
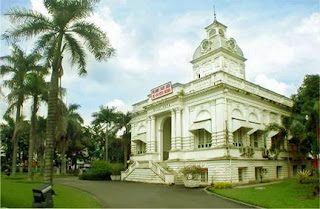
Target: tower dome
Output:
{"points": [[218, 52]]}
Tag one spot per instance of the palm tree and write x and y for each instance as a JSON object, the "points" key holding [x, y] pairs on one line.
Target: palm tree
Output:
{"points": [[123, 122], [40, 140], [37, 88], [105, 119], [18, 65], [69, 130], [58, 35]]}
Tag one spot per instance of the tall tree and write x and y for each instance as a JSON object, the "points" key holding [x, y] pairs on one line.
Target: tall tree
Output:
{"points": [[306, 109], [70, 129], [123, 123], [105, 119], [37, 88], [17, 65], [59, 34]]}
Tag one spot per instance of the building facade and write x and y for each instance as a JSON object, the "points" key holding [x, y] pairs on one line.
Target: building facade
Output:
{"points": [[217, 121]]}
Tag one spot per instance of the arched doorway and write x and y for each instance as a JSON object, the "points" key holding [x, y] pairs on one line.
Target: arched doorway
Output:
{"points": [[166, 138]]}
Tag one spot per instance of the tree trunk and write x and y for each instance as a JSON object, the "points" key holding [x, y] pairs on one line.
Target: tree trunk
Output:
{"points": [[52, 113], [32, 136], [15, 136], [106, 146], [125, 153], [63, 158]]}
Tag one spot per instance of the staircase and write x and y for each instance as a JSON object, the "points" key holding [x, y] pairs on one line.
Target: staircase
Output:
{"points": [[147, 171], [144, 175]]}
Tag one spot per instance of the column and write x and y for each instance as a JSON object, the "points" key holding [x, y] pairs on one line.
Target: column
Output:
{"points": [[153, 132], [173, 130], [178, 128], [148, 139]]}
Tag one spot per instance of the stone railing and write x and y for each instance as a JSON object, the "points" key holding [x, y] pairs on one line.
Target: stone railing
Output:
{"points": [[161, 172], [131, 168]]}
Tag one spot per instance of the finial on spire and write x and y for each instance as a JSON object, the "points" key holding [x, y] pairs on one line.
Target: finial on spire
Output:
{"points": [[214, 10]]}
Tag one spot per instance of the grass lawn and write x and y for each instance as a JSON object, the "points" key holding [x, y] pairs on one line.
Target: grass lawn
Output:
{"points": [[286, 194], [17, 193]]}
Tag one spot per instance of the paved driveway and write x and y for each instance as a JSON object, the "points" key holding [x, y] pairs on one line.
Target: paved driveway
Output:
{"points": [[119, 194]]}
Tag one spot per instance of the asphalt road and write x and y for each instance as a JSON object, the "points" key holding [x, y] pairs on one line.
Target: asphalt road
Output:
{"points": [[119, 194]]}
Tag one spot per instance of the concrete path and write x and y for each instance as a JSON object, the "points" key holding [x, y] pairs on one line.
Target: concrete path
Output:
{"points": [[119, 194]]}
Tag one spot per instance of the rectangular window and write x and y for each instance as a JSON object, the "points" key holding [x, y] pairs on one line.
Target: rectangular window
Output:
{"points": [[204, 138], [204, 176], [237, 138]]}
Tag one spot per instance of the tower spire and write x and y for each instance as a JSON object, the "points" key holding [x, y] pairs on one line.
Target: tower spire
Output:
{"points": [[214, 11]]}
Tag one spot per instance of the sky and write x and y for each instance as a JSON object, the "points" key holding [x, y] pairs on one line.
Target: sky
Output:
{"points": [[155, 41]]}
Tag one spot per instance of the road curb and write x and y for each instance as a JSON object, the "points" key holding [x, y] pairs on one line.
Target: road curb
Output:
{"points": [[227, 198]]}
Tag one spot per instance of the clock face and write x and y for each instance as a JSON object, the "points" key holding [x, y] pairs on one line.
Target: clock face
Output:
{"points": [[231, 43], [205, 45]]}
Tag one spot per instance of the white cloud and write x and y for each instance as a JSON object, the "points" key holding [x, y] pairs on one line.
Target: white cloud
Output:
{"points": [[119, 105], [273, 85], [37, 5]]}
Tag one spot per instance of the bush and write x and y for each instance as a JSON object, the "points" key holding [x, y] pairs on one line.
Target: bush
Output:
{"points": [[222, 185], [101, 168], [309, 180], [94, 177], [303, 175], [117, 168]]}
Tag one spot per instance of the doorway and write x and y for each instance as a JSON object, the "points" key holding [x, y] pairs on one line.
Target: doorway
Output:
{"points": [[166, 138]]}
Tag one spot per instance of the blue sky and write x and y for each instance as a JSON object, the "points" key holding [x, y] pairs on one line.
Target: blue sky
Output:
{"points": [[155, 41]]}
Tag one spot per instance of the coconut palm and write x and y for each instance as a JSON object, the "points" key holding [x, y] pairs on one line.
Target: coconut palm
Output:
{"points": [[17, 65], [37, 88], [105, 119], [69, 129], [123, 122], [59, 33]]}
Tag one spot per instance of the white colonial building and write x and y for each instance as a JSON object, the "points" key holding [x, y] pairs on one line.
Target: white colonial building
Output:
{"points": [[217, 121]]}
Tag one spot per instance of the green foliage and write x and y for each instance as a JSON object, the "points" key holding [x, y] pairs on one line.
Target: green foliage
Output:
{"points": [[94, 177], [309, 180], [303, 174], [222, 185], [101, 167], [117, 168], [181, 93], [192, 172]]}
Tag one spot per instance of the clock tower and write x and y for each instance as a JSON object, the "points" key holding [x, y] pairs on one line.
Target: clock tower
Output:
{"points": [[217, 52]]}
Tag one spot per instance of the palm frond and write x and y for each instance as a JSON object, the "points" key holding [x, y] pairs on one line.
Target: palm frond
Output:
{"points": [[17, 15], [78, 55], [96, 40], [28, 30]]}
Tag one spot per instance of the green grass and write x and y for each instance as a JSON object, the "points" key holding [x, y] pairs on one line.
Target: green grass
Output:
{"points": [[286, 194], [17, 193]]}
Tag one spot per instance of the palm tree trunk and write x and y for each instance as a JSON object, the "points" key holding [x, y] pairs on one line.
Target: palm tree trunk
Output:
{"points": [[51, 127], [125, 153], [106, 146], [32, 135], [15, 136], [52, 113], [63, 159]]}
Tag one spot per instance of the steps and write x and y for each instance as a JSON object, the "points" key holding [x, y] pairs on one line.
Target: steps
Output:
{"points": [[144, 175]]}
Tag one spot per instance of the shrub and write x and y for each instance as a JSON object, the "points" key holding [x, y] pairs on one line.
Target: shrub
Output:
{"points": [[94, 177], [222, 185], [309, 180], [302, 175], [101, 168], [117, 168]]}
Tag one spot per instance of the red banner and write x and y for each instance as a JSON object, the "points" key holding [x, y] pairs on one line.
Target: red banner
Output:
{"points": [[161, 91]]}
